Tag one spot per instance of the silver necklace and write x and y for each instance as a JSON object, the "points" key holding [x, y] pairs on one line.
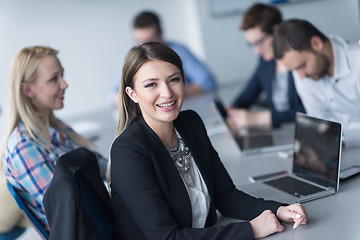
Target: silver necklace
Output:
{"points": [[181, 156]]}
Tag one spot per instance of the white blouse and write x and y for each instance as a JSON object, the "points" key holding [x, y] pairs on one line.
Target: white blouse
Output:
{"points": [[200, 199], [197, 190]]}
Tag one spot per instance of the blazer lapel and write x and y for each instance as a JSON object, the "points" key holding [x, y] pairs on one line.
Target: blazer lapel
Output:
{"points": [[202, 156], [172, 182], [197, 150]]}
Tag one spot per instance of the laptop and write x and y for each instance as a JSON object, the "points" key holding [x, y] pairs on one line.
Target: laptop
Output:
{"points": [[316, 164], [349, 162], [258, 140]]}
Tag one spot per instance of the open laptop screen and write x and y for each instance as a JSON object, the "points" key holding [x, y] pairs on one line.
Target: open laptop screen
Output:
{"points": [[317, 150]]}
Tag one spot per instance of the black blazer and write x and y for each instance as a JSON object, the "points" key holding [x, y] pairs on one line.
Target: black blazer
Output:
{"points": [[149, 198], [262, 81], [77, 204]]}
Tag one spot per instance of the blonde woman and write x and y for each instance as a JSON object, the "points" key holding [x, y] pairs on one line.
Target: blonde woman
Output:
{"points": [[35, 138]]}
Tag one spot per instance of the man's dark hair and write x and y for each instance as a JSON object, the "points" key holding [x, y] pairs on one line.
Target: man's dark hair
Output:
{"points": [[263, 16], [147, 19], [294, 34]]}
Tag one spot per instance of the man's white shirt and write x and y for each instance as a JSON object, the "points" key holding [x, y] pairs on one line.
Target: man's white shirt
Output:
{"points": [[336, 98]]}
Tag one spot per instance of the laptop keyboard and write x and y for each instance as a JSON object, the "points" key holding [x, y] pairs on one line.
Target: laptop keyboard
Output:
{"points": [[294, 186]]}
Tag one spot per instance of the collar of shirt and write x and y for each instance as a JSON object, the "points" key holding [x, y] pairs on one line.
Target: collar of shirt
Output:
{"points": [[341, 58]]}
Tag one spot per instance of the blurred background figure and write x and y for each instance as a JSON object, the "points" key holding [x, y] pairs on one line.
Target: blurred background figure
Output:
{"points": [[326, 71], [270, 77], [35, 138]]}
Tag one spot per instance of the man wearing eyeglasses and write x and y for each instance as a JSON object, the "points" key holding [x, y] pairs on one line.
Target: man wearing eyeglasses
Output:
{"points": [[270, 77]]}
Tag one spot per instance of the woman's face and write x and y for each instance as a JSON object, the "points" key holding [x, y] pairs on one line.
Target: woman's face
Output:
{"points": [[260, 42], [159, 92], [47, 92]]}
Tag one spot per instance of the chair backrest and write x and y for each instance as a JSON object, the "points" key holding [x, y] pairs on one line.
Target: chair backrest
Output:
{"points": [[77, 204], [29, 215], [12, 234], [95, 207]]}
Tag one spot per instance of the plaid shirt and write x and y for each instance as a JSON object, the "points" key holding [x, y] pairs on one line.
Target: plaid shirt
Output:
{"points": [[29, 166]]}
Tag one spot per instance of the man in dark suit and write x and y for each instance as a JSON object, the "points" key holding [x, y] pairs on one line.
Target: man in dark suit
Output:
{"points": [[270, 77]]}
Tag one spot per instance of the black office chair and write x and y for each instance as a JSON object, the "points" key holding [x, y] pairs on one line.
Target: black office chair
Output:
{"points": [[77, 204], [29, 215]]}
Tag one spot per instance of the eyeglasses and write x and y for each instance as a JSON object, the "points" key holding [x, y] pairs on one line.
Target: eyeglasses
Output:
{"points": [[259, 42]]}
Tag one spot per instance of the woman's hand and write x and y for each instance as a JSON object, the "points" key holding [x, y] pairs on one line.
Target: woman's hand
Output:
{"points": [[294, 213], [265, 224]]}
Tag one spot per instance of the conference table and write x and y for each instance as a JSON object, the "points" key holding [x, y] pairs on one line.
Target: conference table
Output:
{"points": [[333, 217]]}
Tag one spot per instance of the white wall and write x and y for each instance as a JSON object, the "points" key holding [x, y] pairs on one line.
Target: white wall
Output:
{"points": [[232, 60], [91, 35]]}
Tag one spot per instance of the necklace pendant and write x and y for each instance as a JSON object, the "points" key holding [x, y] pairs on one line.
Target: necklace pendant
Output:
{"points": [[181, 156]]}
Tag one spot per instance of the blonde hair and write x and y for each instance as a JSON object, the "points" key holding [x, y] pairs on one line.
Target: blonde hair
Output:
{"points": [[20, 108]]}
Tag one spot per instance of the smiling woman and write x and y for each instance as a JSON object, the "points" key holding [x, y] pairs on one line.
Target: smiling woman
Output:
{"points": [[167, 181], [159, 92], [35, 138], [47, 92]]}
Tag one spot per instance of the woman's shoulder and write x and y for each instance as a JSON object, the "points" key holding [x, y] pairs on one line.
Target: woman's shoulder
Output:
{"points": [[135, 140], [133, 134], [19, 135], [189, 115], [190, 124], [62, 125], [19, 139]]}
